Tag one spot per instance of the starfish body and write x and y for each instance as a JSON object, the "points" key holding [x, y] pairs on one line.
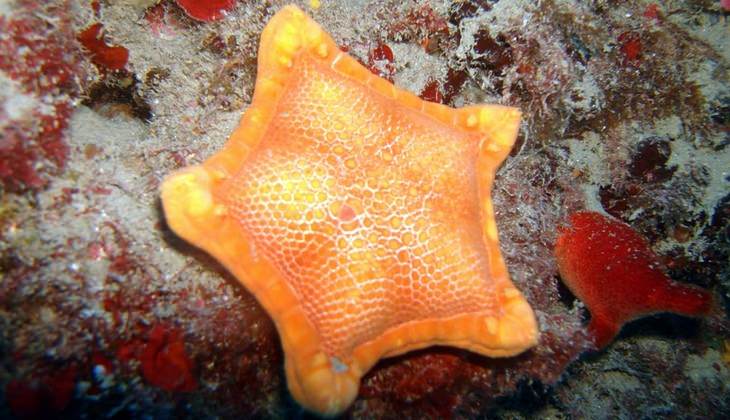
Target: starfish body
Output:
{"points": [[611, 268], [358, 215]]}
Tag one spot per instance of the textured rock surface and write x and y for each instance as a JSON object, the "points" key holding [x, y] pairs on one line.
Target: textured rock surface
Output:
{"points": [[626, 110]]}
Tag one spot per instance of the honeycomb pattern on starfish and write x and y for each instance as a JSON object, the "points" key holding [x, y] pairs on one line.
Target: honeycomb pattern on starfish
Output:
{"points": [[358, 215]]}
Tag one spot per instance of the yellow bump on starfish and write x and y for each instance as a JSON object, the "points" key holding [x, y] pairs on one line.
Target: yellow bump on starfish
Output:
{"points": [[358, 215]]}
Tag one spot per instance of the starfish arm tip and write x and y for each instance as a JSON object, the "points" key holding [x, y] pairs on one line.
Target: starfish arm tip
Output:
{"points": [[288, 33], [188, 202], [502, 123], [518, 328], [320, 387]]}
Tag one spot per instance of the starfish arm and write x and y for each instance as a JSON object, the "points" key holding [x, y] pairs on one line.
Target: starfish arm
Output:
{"points": [[193, 213], [500, 125]]}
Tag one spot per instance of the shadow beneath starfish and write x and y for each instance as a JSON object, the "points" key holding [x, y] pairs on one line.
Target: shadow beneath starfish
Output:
{"points": [[183, 247], [206, 260], [463, 355]]}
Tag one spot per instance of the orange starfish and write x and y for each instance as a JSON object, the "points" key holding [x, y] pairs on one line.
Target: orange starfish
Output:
{"points": [[358, 215]]}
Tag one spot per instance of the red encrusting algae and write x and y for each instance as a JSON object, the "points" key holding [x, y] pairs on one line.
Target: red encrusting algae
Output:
{"points": [[432, 92], [39, 60], [165, 364], [630, 47], [611, 268], [163, 359]]}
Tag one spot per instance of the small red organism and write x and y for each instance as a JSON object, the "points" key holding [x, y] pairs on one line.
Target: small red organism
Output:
{"points": [[630, 46], [432, 92], [611, 268], [381, 52], [103, 55], [652, 12], [155, 17], [380, 61], [725, 5], [96, 7], [165, 364], [492, 52], [455, 80], [161, 22], [206, 10]]}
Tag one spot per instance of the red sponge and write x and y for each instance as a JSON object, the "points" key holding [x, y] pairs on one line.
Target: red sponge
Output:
{"points": [[611, 268], [206, 10]]}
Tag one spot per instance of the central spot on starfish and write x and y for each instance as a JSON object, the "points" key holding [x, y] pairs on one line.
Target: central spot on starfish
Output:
{"points": [[358, 215]]}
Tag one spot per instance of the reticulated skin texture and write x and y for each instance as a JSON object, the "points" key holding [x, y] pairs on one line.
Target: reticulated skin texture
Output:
{"points": [[344, 198]]}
